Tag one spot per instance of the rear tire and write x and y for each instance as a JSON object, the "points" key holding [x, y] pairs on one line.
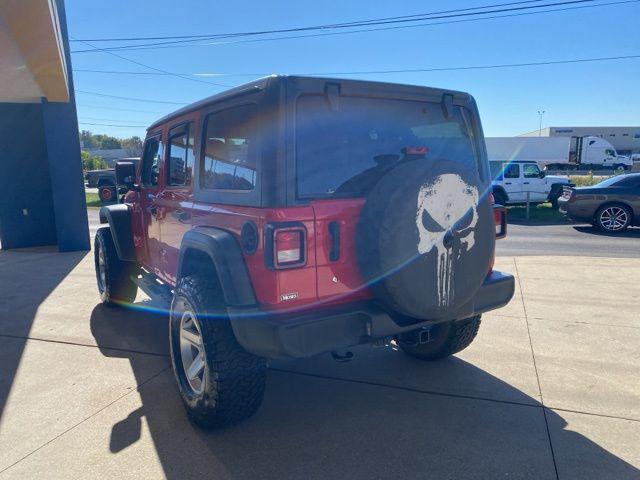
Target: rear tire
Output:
{"points": [[220, 383], [613, 218], [446, 339], [112, 274], [499, 197]]}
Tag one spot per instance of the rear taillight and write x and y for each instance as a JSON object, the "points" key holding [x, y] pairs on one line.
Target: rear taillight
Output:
{"points": [[288, 248], [500, 220]]}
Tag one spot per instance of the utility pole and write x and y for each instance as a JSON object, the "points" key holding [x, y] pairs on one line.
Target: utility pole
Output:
{"points": [[540, 114]]}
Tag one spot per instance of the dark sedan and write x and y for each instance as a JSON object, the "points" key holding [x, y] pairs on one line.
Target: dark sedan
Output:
{"points": [[611, 205]]}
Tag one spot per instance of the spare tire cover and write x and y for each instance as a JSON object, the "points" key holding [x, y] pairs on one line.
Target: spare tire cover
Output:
{"points": [[425, 238]]}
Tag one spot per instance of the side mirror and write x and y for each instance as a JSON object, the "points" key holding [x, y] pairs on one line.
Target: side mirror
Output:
{"points": [[126, 174], [542, 174]]}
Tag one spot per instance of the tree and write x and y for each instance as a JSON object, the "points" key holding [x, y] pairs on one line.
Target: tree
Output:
{"points": [[92, 162], [133, 146], [88, 140], [105, 142]]}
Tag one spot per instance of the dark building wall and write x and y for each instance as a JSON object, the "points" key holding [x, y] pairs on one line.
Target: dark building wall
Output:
{"points": [[42, 199], [26, 204], [65, 164]]}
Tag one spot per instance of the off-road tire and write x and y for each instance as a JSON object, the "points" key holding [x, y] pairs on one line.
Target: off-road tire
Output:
{"points": [[449, 338], [233, 379], [598, 217], [117, 287], [107, 193]]}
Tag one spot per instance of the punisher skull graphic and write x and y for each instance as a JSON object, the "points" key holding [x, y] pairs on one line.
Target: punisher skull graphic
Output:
{"points": [[447, 209]]}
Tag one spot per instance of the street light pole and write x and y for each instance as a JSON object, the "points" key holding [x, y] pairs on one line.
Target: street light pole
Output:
{"points": [[540, 113]]}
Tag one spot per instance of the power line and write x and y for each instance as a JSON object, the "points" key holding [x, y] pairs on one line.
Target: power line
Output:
{"points": [[86, 105], [103, 119], [110, 125], [132, 99], [152, 67], [398, 27], [404, 70], [313, 27], [479, 67]]}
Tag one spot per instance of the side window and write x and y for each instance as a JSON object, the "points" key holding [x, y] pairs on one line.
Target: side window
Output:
{"points": [[230, 150], [628, 181], [180, 158], [151, 158], [531, 170], [512, 171], [496, 170]]}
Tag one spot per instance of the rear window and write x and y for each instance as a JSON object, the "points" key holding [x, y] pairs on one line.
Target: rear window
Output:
{"points": [[344, 151], [620, 181]]}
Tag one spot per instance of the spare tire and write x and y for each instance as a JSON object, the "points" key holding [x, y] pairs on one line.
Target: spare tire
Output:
{"points": [[425, 238]]}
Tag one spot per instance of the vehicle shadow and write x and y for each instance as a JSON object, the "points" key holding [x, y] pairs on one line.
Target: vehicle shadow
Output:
{"points": [[628, 233], [27, 278], [311, 426]]}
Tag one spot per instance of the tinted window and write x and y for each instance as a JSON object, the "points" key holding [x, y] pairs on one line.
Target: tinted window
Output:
{"points": [[617, 181], [151, 158], [180, 158], [230, 151], [512, 171], [531, 170], [343, 149], [628, 181]]}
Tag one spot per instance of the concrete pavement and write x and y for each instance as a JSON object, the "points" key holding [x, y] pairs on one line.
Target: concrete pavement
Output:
{"points": [[549, 389]]}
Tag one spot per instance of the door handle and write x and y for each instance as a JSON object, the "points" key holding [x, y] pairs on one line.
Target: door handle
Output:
{"points": [[507, 183], [525, 183], [334, 233]]}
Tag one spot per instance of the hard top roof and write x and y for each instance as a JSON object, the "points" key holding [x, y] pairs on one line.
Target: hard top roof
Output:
{"points": [[263, 83]]}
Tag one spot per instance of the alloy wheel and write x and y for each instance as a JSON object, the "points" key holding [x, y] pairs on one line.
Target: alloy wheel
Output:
{"points": [[102, 275], [614, 218], [192, 352]]}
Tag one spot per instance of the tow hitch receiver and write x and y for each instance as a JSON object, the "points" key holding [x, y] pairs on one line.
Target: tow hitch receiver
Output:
{"points": [[424, 335], [417, 337]]}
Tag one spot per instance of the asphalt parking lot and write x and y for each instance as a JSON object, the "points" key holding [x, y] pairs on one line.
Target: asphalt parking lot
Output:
{"points": [[549, 389]]}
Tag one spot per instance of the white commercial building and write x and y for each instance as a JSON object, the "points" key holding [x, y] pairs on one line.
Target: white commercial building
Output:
{"points": [[626, 140]]}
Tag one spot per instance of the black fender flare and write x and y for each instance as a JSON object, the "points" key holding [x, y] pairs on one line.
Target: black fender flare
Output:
{"points": [[118, 217], [225, 254], [501, 190]]}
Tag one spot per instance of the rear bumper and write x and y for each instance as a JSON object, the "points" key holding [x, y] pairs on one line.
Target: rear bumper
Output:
{"points": [[311, 333]]}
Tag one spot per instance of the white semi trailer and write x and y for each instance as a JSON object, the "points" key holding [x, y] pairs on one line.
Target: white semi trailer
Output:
{"points": [[557, 152]]}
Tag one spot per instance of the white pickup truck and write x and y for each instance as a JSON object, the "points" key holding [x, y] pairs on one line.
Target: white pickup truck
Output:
{"points": [[512, 181]]}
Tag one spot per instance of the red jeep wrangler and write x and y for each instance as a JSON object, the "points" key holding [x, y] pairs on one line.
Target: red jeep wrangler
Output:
{"points": [[294, 216]]}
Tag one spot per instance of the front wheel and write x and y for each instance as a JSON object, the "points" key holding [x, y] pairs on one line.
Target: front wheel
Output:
{"points": [[441, 340], [112, 274], [220, 383], [613, 218]]}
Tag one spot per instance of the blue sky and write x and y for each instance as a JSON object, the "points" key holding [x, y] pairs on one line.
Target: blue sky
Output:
{"points": [[598, 93]]}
